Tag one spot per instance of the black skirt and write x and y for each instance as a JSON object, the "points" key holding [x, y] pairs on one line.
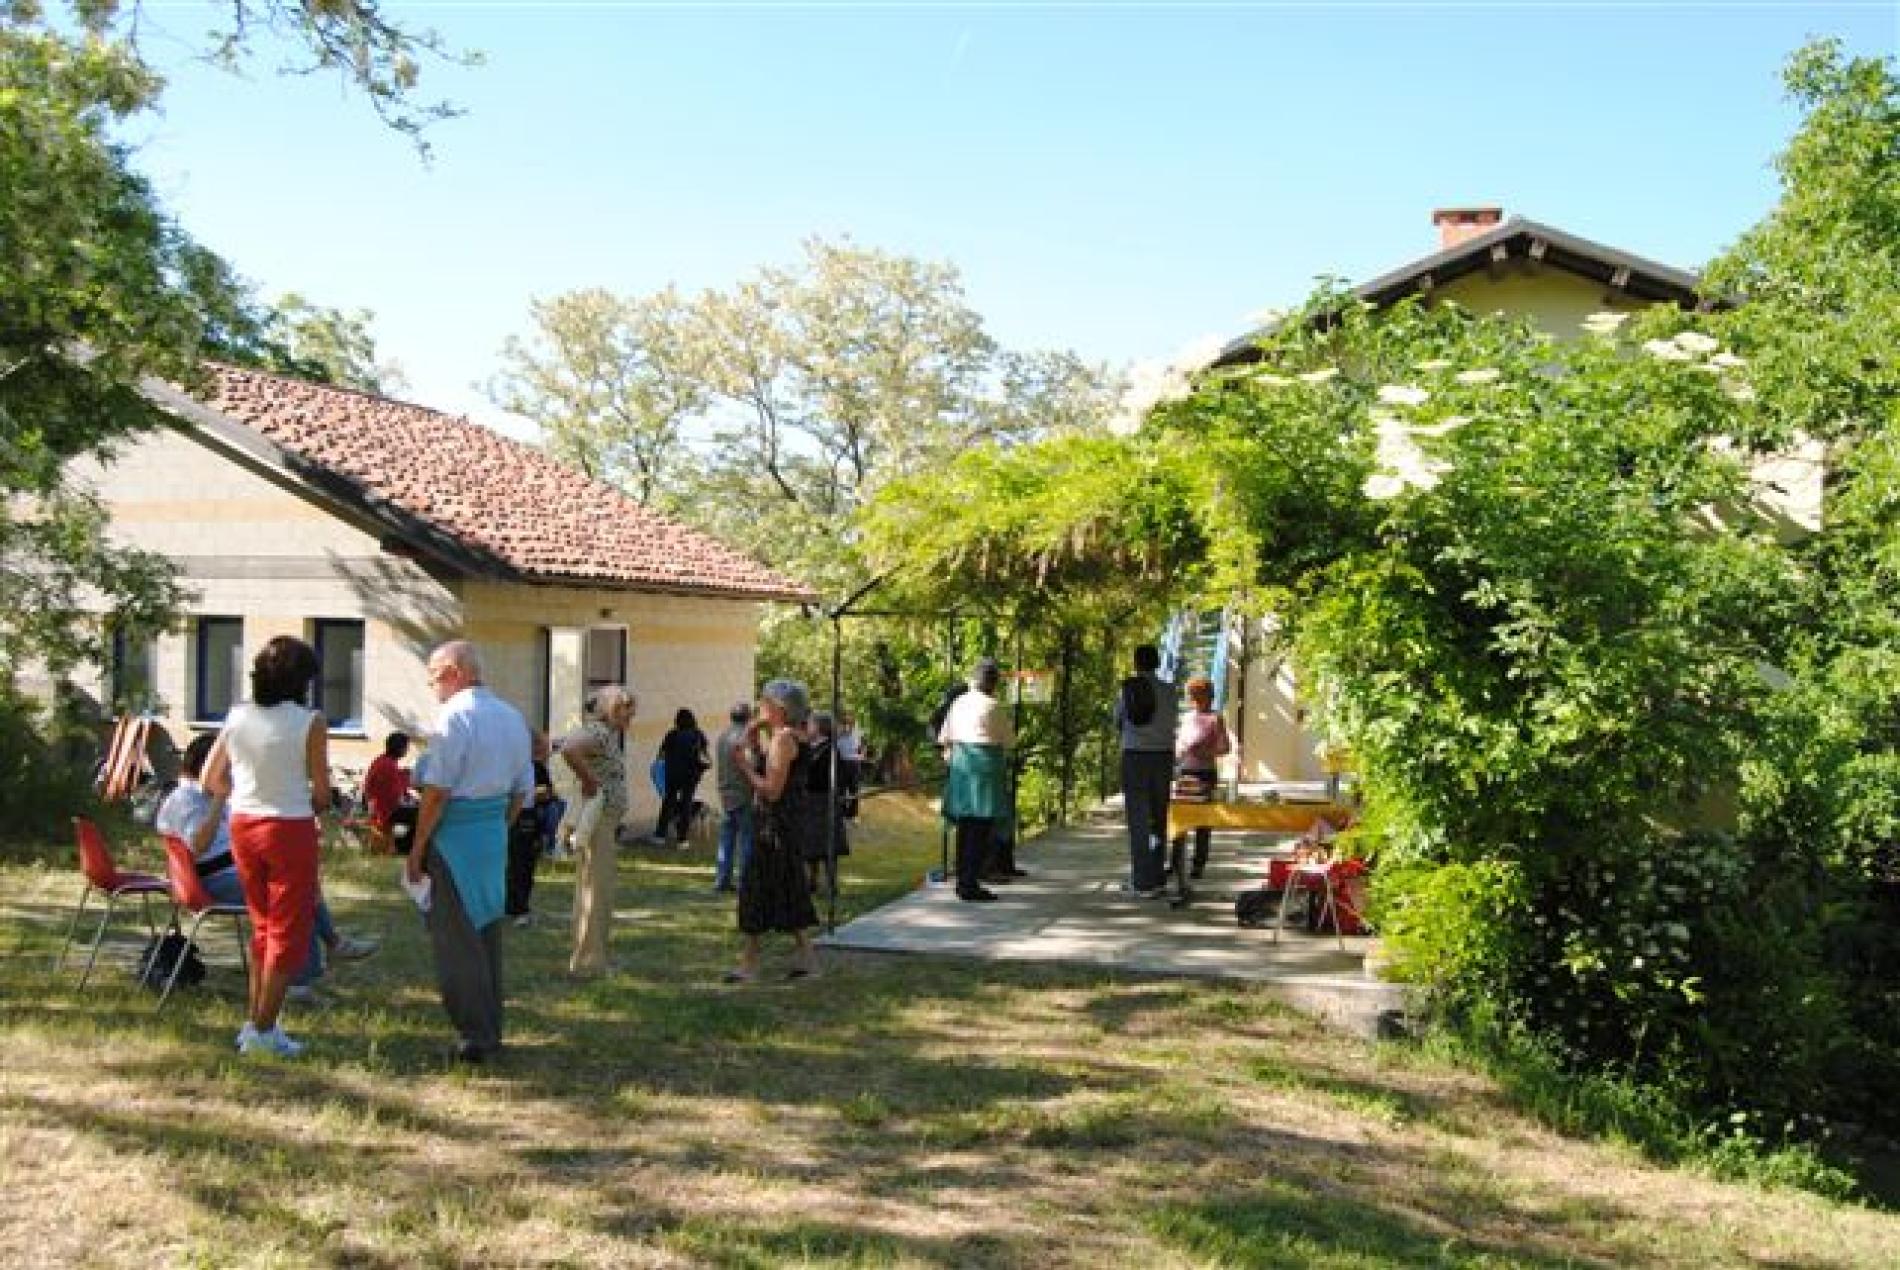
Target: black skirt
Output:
{"points": [[774, 891]]}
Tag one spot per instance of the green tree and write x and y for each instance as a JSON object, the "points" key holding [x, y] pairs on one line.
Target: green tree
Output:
{"points": [[327, 345], [100, 287], [1820, 327], [769, 412], [612, 383]]}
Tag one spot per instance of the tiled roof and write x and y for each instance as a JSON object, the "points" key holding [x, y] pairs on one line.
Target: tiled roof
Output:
{"points": [[497, 499]]}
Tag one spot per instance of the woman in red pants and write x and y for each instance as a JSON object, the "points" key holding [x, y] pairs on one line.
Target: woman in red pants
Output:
{"points": [[273, 761]]}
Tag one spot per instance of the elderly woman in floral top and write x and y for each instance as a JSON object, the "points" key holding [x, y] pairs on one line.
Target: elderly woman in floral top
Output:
{"points": [[1198, 747], [597, 752]]}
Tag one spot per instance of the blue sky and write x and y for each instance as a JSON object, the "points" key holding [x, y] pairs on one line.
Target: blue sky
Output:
{"points": [[1121, 180]]}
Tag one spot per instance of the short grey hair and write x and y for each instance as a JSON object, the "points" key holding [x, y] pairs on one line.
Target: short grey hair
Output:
{"points": [[791, 697], [601, 701], [462, 653]]}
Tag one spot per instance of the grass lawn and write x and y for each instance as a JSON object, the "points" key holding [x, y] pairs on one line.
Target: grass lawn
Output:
{"points": [[895, 1111]]}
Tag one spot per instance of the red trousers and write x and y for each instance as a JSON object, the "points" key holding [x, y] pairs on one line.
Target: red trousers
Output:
{"points": [[277, 863]]}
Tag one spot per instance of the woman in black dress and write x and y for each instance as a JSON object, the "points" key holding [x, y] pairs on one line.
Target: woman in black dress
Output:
{"points": [[774, 892]]}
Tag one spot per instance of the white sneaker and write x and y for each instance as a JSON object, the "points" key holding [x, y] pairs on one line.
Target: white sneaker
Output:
{"points": [[245, 1035], [276, 1041], [350, 948]]}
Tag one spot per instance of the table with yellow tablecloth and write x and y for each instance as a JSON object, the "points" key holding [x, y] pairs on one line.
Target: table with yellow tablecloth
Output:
{"points": [[1259, 817]]}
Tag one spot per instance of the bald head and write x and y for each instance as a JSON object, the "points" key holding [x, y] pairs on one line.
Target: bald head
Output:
{"points": [[454, 666]]}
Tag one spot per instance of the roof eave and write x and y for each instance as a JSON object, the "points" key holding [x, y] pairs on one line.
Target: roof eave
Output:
{"points": [[1644, 279], [788, 594]]}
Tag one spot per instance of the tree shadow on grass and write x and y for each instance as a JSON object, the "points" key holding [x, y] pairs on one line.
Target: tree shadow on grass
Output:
{"points": [[1281, 1226]]}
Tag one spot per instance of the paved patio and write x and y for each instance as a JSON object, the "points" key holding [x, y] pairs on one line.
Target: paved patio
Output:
{"points": [[1071, 910]]}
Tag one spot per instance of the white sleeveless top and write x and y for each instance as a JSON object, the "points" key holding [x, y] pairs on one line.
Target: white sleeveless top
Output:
{"points": [[269, 774]]}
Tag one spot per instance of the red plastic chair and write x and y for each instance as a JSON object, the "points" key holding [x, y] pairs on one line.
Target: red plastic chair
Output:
{"points": [[188, 893], [102, 875]]}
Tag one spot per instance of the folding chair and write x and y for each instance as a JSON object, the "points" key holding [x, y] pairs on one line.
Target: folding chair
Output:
{"points": [[188, 893], [1315, 875], [102, 875]]}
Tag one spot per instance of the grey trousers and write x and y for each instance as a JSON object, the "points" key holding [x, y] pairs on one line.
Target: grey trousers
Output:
{"points": [[467, 962], [1147, 781]]}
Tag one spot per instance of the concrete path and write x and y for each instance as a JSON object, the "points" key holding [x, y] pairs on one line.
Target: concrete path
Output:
{"points": [[1071, 910]]}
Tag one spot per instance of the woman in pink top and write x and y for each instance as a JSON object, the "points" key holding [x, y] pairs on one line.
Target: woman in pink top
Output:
{"points": [[1198, 748]]}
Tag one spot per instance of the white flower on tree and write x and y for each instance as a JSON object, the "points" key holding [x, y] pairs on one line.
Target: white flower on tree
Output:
{"points": [[1667, 351], [1402, 395], [1401, 463], [1482, 375], [1319, 376]]}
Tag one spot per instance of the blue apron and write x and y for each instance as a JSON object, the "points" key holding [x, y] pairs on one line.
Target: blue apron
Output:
{"points": [[472, 839], [979, 782]]}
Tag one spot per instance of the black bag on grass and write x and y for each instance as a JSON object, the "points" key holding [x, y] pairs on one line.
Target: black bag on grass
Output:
{"points": [[162, 952], [1256, 908]]}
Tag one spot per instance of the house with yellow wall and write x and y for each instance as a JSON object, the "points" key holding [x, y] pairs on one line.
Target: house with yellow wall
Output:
{"points": [[1485, 263], [374, 529]]}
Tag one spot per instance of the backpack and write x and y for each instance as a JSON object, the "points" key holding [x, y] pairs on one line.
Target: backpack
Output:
{"points": [[162, 953], [1138, 699]]}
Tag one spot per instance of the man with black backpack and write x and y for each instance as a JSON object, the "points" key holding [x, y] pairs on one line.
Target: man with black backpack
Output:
{"points": [[1146, 714]]}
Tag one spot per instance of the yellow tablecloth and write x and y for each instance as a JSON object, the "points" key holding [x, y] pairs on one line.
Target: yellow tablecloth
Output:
{"points": [[1261, 817]]}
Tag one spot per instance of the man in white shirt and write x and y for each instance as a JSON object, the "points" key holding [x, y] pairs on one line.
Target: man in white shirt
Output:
{"points": [[978, 730], [478, 771]]}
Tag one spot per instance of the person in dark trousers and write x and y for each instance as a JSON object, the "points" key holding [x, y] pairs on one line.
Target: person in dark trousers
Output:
{"points": [[978, 731], [477, 773], [821, 863], [526, 836], [735, 798], [683, 752], [1146, 714]]}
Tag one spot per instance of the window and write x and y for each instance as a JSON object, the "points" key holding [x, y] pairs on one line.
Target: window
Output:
{"points": [[220, 642], [339, 686], [134, 673], [606, 656]]}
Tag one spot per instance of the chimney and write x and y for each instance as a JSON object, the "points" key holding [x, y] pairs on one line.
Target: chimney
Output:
{"points": [[1461, 224]]}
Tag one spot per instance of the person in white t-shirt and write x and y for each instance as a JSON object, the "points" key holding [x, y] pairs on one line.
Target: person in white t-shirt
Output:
{"points": [[273, 762]]}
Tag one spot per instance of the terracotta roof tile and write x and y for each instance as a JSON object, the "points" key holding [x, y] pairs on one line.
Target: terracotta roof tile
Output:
{"points": [[502, 498]]}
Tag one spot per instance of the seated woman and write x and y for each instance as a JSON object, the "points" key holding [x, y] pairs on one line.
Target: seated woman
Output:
{"points": [[202, 820], [392, 809]]}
